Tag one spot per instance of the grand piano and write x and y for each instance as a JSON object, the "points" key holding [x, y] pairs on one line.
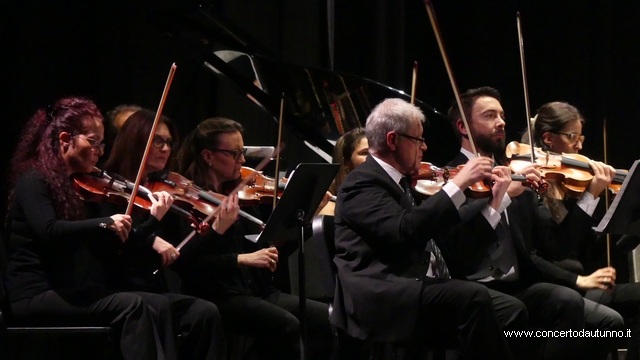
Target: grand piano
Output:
{"points": [[320, 105]]}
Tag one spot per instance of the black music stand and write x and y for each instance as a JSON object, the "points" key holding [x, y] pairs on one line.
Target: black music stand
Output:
{"points": [[623, 216], [295, 210]]}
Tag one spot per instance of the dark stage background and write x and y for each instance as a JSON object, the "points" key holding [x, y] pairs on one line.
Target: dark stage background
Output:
{"points": [[117, 51]]}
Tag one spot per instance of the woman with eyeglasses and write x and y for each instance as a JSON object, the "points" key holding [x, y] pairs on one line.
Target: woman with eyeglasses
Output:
{"points": [[558, 128], [198, 321], [227, 269], [62, 256]]}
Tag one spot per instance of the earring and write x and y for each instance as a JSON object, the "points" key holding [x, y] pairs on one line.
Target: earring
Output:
{"points": [[210, 165]]}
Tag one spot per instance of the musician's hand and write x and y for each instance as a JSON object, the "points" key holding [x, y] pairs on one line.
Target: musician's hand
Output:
{"points": [[474, 170], [604, 279], [121, 226], [602, 176], [264, 258], [168, 253], [161, 201], [227, 215], [533, 176], [501, 178]]}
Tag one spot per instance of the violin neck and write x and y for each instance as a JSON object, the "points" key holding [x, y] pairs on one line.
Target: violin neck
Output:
{"points": [[618, 178]]}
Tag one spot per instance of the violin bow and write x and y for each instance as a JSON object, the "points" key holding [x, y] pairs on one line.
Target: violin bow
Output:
{"points": [[414, 80], [244, 181], [606, 192], [525, 87], [277, 174], [163, 99], [436, 30]]}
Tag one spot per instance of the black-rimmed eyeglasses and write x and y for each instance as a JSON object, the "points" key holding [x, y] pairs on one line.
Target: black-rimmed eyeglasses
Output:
{"points": [[420, 141], [235, 153], [159, 142]]}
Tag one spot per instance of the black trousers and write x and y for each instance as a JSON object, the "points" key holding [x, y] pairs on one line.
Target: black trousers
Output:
{"points": [[625, 299], [198, 321], [603, 318], [125, 312], [463, 310], [273, 322], [549, 307]]}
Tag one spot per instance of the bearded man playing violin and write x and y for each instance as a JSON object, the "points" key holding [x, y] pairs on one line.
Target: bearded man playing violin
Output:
{"points": [[558, 128], [505, 258]]}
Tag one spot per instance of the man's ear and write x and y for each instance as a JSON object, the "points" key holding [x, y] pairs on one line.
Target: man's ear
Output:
{"points": [[461, 128], [392, 139]]}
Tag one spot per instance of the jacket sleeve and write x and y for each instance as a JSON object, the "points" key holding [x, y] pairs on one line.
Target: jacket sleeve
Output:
{"points": [[377, 213]]}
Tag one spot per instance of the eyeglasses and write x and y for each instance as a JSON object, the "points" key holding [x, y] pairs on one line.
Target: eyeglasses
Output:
{"points": [[420, 141], [159, 142], [235, 153], [573, 137], [95, 145]]}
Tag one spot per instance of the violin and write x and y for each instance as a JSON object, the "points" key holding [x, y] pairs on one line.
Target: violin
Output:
{"points": [[100, 187], [191, 197], [572, 171], [430, 179], [261, 189]]}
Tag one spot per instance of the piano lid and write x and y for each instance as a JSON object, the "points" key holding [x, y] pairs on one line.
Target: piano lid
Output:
{"points": [[321, 105]]}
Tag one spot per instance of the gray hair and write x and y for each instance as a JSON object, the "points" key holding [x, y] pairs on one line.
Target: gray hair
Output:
{"points": [[389, 116]]}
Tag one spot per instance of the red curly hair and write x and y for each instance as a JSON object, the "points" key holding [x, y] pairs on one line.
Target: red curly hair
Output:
{"points": [[38, 151]]}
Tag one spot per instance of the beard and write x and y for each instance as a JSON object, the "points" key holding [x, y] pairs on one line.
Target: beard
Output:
{"points": [[490, 145]]}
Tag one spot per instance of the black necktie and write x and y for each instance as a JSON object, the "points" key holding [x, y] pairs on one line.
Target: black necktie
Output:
{"points": [[441, 266], [504, 254]]}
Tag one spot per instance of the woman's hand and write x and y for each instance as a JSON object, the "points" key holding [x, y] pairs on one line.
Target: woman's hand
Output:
{"points": [[121, 226], [604, 279], [166, 250], [264, 258], [227, 215], [160, 203], [602, 176]]}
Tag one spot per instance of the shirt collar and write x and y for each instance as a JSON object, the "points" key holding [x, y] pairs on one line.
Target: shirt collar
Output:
{"points": [[467, 153], [393, 172]]}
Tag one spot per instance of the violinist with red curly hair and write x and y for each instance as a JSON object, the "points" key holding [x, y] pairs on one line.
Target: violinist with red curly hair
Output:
{"points": [[60, 257]]}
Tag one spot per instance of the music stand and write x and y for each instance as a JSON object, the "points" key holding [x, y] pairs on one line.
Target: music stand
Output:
{"points": [[297, 206], [623, 216]]}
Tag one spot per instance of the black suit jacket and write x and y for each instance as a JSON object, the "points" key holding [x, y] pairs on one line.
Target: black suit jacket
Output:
{"points": [[380, 253], [527, 215]]}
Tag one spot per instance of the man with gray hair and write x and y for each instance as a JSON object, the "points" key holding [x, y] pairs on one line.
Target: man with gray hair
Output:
{"points": [[383, 249]]}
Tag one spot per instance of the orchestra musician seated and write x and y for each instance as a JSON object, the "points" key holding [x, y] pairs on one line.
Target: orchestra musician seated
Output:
{"points": [[350, 150], [504, 256], [197, 321], [557, 127], [224, 267], [389, 288], [62, 257]]}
